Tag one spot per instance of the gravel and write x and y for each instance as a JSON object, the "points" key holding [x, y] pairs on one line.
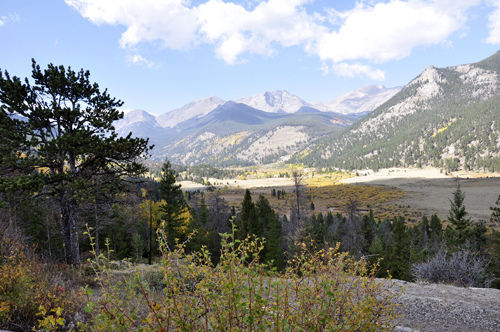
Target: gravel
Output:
{"points": [[445, 308]]}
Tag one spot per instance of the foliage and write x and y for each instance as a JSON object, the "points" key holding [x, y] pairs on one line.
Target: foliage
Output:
{"points": [[174, 205], [32, 294], [461, 268], [457, 217], [323, 291], [58, 141], [248, 222], [495, 214]]}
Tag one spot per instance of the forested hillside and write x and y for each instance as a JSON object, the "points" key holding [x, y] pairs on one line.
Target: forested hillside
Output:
{"points": [[237, 134], [445, 118]]}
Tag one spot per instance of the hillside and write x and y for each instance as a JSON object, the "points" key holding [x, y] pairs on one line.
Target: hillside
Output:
{"points": [[446, 117], [237, 134], [262, 128]]}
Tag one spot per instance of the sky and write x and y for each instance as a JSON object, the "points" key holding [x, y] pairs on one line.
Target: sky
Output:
{"points": [[158, 55]]}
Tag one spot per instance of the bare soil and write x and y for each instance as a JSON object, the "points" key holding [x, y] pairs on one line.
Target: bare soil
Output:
{"points": [[430, 191]]}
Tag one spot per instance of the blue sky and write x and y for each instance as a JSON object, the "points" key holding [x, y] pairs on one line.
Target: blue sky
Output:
{"points": [[158, 55]]}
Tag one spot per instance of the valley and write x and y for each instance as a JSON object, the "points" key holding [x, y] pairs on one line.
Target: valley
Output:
{"points": [[390, 193]]}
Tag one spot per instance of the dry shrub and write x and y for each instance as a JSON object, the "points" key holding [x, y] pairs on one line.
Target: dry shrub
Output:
{"points": [[461, 268], [320, 291], [31, 291]]}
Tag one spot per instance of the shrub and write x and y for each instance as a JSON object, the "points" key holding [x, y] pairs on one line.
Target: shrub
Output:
{"points": [[320, 291], [31, 293], [462, 268]]}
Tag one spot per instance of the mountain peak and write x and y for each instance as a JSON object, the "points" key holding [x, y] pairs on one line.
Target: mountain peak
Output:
{"points": [[361, 101], [274, 101], [194, 109]]}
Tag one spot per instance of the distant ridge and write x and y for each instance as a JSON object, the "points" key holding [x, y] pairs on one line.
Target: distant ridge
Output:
{"points": [[445, 117], [199, 131]]}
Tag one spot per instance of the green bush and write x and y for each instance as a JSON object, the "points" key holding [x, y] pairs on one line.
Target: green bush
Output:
{"points": [[319, 291]]}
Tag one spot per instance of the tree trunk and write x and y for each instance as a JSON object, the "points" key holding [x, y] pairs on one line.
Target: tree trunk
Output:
{"points": [[96, 230], [70, 231]]}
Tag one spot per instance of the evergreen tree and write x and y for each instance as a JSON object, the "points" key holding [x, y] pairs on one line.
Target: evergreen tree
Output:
{"points": [[271, 232], [399, 251], [457, 216], [478, 237], [317, 229], [329, 219], [174, 205], [273, 245], [436, 227], [495, 215], [58, 141], [203, 217], [248, 221], [369, 228]]}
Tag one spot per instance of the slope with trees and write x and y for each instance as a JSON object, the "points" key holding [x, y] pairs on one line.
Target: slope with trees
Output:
{"points": [[446, 118]]}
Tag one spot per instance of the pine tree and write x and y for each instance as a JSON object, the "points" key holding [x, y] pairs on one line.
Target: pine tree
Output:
{"points": [[270, 231], [457, 216], [273, 245], [248, 221], [495, 215], [317, 229], [174, 205], [368, 226], [436, 227], [63, 125], [399, 251], [203, 217]]}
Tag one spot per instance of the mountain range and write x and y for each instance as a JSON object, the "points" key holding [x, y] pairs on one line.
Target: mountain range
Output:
{"points": [[250, 130], [445, 117]]}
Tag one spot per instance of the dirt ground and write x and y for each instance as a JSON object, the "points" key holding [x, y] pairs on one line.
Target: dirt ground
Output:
{"points": [[429, 191]]}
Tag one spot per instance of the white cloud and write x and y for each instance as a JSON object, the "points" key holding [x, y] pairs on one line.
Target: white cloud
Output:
{"points": [[168, 21], [388, 31], [374, 31], [494, 24], [137, 59], [353, 70], [10, 18]]}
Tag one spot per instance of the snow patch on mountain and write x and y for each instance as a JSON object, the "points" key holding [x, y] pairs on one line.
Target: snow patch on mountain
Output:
{"points": [[275, 102], [363, 100]]}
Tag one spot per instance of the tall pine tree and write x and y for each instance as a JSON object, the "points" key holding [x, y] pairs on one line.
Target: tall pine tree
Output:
{"points": [[174, 205], [457, 216]]}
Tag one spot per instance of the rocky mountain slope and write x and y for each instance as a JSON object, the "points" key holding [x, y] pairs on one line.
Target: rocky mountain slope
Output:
{"points": [[446, 117], [262, 128], [361, 101], [237, 134], [275, 102], [195, 109]]}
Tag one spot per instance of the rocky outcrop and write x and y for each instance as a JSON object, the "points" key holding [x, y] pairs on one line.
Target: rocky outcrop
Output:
{"points": [[445, 308]]}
